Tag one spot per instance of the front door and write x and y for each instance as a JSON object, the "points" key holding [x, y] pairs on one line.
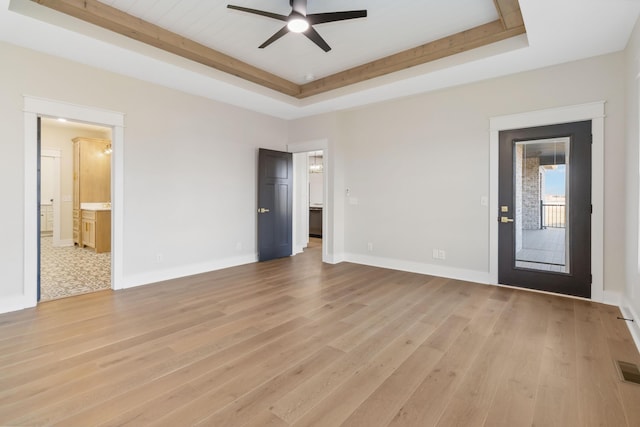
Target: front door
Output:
{"points": [[545, 208], [275, 204]]}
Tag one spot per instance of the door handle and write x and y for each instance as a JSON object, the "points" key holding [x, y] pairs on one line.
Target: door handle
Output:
{"points": [[263, 210], [504, 219]]}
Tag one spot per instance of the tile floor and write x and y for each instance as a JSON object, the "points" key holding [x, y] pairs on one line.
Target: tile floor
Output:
{"points": [[68, 271], [543, 250]]}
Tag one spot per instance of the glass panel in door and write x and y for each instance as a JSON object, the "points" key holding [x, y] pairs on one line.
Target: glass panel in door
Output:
{"points": [[541, 201]]}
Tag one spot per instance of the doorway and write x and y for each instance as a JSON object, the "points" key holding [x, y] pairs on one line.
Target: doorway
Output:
{"points": [[71, 265], [310, 213], [545, 208], [34, 108], [315, 178]]}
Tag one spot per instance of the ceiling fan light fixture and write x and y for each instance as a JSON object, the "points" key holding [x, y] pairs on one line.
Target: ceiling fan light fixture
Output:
{"points": [[298, 21], [297, 25]]}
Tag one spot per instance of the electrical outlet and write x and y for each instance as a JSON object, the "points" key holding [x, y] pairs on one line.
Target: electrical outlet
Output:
{"points": [[435, 254], [442, 254], [370, 247], [158, 258]]}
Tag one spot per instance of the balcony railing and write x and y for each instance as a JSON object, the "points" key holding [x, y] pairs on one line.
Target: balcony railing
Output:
{"points": [[552, 215]]}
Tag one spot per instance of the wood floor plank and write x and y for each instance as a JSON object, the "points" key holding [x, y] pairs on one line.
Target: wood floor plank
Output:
{"points": [[249, 405], [301, 399], [360, 333], [596, 372], [426, 405], [337, 406], [471, 402], [556, 396], [296, 341], [174, 372], [621, 348], [266, 418], [267, 364], [514, 400], [386, 401], [381, 406]]}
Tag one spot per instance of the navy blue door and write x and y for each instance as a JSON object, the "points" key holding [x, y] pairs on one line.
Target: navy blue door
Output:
{"points": [[545, 208], [275, 204]]}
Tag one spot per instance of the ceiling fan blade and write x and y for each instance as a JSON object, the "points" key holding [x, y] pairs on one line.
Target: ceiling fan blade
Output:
{"points": [[299, 6], [321, 18], [313, 35], [259, 12], [284, 30]]}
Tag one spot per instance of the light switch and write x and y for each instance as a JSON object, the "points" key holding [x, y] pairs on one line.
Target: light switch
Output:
{"points": [[484, 201], [353, 200]]}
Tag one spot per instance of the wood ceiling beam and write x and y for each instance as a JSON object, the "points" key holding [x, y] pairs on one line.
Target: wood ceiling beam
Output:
{"points": [[509, 25], [110, 18], [447, 46], [509, 12]]}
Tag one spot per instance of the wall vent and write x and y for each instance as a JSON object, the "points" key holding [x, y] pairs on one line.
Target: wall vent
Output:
{"points": [[629, 372]]}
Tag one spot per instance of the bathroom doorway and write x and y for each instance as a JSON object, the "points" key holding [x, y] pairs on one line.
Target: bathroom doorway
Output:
{"points": [[75, 222]]}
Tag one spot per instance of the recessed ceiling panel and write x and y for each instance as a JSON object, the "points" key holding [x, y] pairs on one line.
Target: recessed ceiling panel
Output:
{"points": [[390, 27]]}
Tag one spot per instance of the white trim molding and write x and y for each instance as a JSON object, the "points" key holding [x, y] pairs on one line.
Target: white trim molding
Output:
{"points": [[420, 268], [14, 303], [153, 277], [35, 107], [595, 112], [634, 327], [328, 214]]}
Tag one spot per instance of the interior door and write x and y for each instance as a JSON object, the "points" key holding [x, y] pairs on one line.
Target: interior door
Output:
{"points": [[545, 208], [275, 204]]}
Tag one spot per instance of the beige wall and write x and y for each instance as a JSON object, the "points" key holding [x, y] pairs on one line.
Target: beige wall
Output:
{"points": [[419, 166], [189, 167], [631, 186], [59, 137]]}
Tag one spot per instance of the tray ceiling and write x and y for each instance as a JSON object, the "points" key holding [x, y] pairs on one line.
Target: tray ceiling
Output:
{"points": [[394, 36], [557, 32]]}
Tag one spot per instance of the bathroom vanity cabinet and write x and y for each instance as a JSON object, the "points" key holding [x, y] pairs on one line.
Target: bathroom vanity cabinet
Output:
{"points": [[91, 182]]}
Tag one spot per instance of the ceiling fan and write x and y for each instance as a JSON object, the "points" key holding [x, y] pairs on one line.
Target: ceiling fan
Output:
{"points": [[299, 22]]}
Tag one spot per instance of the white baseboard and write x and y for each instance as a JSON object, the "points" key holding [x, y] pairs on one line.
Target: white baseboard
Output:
{"points": [[65, 243], [634, 327], [334, 258], [420, 268], [189, 270], [15, 303]]}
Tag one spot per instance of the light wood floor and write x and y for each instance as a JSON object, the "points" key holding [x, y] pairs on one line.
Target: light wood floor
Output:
{"points": [[296, 343]]}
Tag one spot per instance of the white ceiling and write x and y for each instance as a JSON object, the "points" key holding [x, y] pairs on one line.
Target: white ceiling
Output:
{"points": [[390, 27], [557, 31]]}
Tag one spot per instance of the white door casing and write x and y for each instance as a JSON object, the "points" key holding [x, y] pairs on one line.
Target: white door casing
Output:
{"points": [[35, 107], [591, 111]]}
